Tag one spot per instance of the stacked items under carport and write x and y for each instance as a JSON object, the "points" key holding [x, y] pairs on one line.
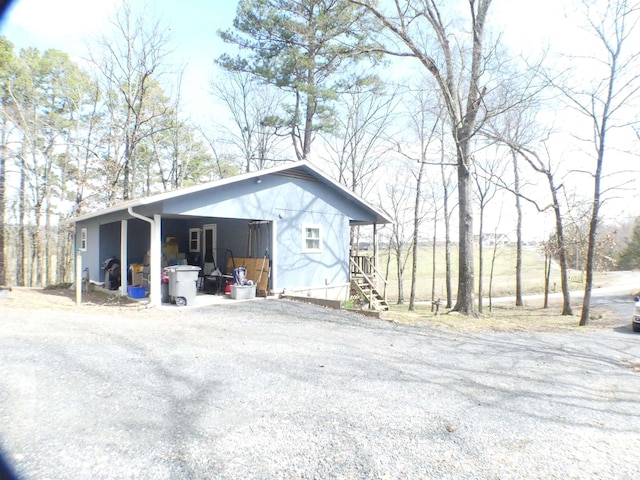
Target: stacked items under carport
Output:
{"points": [[257, 270], [242, 288]]}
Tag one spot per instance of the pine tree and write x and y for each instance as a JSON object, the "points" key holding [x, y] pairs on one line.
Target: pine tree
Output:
{"points": [[630, 257]]}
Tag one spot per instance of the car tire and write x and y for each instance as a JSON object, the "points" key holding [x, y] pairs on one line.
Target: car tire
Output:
{"points": [[636, 327]]}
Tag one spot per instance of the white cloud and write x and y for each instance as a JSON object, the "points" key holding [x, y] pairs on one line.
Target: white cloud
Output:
{"points": [[63, 22]]}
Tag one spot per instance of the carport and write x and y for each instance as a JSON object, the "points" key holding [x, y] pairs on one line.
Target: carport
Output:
{"points": [[208, 242]]}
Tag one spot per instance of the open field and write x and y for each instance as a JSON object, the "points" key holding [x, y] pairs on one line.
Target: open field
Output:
{"points": [[504, 280]]}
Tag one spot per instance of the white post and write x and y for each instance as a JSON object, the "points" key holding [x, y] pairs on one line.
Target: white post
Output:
{"points": [[78, 279], [274, 256], [124, 261], [375, 254], [155, 252]]}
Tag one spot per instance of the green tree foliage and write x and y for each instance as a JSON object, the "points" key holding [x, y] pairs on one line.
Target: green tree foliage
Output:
{"points": [[64, 135], [7, 59], [630, 256], [44, 95], [302, 47]]}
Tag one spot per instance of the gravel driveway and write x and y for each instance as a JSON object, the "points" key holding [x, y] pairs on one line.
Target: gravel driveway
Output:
{"points": [[277, 389]]}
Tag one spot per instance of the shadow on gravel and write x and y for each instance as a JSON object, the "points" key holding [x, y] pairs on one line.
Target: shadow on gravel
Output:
{"points": [[177, 390], [626, 329]]}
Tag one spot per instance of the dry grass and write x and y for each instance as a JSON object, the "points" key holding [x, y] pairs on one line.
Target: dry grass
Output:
{"points": [[63, 298], [503, 283], [505, 318]]}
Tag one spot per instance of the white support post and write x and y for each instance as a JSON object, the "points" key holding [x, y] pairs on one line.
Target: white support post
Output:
{"points": [[79, 279], [124, 261], [274, 256], [375, 253], [155, 254], [155, 251]]}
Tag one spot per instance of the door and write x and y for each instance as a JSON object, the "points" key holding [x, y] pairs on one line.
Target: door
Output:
{"points": [[209, 244]]}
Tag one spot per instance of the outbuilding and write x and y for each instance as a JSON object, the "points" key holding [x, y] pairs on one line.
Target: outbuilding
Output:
{"points": [[292, 220]]}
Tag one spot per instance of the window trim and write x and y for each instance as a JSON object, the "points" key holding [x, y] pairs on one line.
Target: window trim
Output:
{"points": [[196, 239], [83, 239], [305, 230]]}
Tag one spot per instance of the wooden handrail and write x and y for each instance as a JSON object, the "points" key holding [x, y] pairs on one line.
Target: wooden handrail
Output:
{"points": [[369, 281], [371, 266]]}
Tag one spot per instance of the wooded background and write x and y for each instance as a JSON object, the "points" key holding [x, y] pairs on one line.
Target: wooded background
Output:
{"points": [[469, 148]]}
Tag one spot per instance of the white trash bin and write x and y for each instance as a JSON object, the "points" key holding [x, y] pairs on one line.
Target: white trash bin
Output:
{"points": [[183, 284]]}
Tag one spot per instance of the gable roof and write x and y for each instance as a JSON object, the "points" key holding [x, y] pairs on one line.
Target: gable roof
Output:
{"points": [[301, 170]]}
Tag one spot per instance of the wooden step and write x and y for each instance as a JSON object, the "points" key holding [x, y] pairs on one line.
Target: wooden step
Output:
{"points": [[368, 293]]}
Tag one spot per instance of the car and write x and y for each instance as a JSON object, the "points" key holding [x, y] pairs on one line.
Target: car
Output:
{"points": [[636, 316]]}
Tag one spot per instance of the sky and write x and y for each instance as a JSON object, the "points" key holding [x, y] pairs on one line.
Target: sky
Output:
{"points": [[73, 25]]}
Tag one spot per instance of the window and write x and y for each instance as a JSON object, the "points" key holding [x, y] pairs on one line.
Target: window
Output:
{"points": [[83, 239], [194, 239], [311, 239]]}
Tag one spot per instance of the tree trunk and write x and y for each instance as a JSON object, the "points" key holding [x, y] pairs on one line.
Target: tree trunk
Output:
{"points": [[447, 238], [466, 283], [516, 186], [125, 178], [564, 278], [34, 260], [416, 227], [480, 259], [387, 267], [308, 129], [593, 233], [433, 261], [493, 265], [36, 250], [400, 273], [547, 277], [21, 258], [49, 248], [3, 181]]}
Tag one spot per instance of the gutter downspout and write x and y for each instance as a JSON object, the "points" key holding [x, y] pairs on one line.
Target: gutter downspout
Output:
{"points": [[154, 259]]}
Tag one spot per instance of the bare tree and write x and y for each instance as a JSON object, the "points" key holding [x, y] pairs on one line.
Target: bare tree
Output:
{"points": [[494, 256], [360, 139], [457, 69], [251, 105], [358, 144], [544, 166], [130, 65], [517, 127], [516, 189], [423, 124], [448, 187], [398, 206], [435, 192], [609, 102], [486, 190]]}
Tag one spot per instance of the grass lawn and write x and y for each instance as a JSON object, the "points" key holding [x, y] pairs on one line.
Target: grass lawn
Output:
{"points": [[504, 273], [503, 316]]}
